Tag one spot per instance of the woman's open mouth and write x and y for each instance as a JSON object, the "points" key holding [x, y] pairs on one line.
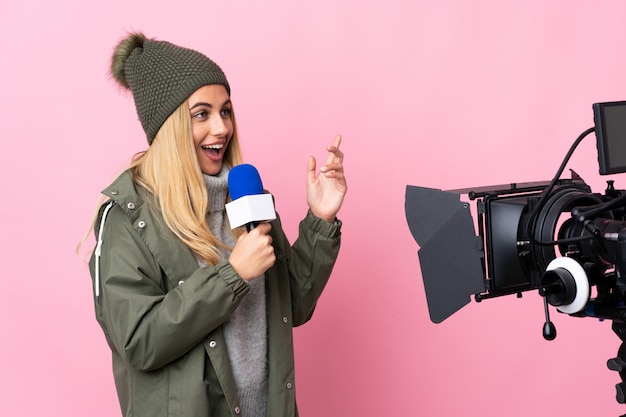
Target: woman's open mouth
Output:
{"points": [[213, 151]]}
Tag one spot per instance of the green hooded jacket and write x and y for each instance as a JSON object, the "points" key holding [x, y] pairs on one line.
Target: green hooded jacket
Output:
{"points": [[162, 314]]}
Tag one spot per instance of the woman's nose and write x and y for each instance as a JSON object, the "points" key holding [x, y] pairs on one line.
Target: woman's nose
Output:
{"points": [[218, 126]]}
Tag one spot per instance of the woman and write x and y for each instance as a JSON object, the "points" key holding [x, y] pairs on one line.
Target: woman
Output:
{"points": [[199, 317]]}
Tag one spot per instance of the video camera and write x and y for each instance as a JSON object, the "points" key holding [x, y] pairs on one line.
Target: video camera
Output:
{"points": [[557, 237]]}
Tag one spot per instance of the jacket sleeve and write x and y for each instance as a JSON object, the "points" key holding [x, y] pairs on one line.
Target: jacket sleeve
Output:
{"points": [[311, 261], [147, 325]]}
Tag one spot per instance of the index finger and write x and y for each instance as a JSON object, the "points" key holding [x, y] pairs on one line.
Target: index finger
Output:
{"points": [[333, 153]]}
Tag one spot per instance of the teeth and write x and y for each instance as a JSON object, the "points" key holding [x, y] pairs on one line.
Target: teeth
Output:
{"points": [[214, 146]]}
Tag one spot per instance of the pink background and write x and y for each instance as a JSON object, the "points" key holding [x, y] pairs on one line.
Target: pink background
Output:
{"points": [[444, 94]]}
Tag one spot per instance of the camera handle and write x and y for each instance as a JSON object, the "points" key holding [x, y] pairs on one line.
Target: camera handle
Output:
{"points": [[549, 330]]}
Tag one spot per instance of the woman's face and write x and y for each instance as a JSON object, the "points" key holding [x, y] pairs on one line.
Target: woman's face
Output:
{"points": [[212, 126]]}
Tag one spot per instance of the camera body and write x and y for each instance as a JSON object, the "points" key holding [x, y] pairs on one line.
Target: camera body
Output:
{"points": [[524, 239]]}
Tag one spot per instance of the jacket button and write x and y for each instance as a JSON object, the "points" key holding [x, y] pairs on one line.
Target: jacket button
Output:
{"points": [[131, 206], [237, 410], [141, 224], [114, 192], [212, 343], [181, 282], [285, 320], [289, 385]]}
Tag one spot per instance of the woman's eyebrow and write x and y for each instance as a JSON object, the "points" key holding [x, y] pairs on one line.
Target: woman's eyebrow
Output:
{"points": [[209, 105], [201, 103]]}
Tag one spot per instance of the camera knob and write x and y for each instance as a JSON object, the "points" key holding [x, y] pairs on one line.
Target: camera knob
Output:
{"points": [[621, 393], [616, 364]]}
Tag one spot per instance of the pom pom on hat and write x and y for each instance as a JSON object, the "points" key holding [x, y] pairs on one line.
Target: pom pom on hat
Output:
{"points": [[120, 56], [161, 77]]}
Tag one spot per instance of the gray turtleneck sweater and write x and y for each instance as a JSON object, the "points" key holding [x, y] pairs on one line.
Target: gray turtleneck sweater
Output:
{"points": [[246, 329]]}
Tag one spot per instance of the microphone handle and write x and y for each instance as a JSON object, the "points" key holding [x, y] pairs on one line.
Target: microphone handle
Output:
{"points": [[251, 225]]}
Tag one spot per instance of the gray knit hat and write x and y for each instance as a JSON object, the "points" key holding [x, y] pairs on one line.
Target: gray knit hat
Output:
{"points": [[161, 77]]}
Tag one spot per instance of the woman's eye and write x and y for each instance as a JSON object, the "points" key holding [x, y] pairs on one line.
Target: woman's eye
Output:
{"points": [[200, 115], [226, 112]]}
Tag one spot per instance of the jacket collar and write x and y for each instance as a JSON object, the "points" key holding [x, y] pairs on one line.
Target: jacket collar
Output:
{"points": [[174, 257]]}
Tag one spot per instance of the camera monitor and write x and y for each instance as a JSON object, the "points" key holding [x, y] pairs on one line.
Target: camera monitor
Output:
{"points": [[610, 127]]}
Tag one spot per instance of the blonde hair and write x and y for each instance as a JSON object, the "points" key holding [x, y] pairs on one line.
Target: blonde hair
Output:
{"points": [[170, 171]]}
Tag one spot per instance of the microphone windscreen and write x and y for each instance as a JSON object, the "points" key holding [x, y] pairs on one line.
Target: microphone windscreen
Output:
{"points": [[244, 180]]}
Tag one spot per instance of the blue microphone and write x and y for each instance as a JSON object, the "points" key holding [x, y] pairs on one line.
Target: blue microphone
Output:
{"points": [[243, 180], [250, 205]]}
